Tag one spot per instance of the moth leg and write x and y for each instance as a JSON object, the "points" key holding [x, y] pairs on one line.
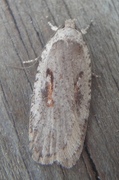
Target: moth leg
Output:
{"points": [[95, 75], [54, 28], [85, 30], [32, 60]]}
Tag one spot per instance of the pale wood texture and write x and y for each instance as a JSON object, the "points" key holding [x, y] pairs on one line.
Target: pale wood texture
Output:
{"points": [[24, 31]]}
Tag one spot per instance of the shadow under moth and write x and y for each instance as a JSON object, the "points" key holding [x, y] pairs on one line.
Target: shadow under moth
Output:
{"points": [[61, 99]]}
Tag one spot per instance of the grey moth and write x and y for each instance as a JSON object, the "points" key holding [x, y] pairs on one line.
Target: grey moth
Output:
{"points": [[61, 99]]}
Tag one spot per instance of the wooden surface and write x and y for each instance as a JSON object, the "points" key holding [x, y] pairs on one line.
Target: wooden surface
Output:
{"points": [[24, 31]]}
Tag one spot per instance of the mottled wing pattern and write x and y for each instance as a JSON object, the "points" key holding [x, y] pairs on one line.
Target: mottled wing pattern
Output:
{"points": [[61, 99]]}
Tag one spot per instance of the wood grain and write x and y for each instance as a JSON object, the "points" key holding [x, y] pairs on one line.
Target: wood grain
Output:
{"points": [[24, 31]]}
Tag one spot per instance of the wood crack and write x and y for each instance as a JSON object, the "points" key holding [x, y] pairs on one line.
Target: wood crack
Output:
{"points": [[15, 23], [90, 165], [39, 34], [19, 58]]}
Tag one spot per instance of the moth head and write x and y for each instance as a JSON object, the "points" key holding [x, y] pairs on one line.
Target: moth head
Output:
{"points": [[70, 23]]}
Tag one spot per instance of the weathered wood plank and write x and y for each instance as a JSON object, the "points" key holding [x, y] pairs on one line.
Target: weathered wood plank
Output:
{"points": [[24, 31]]}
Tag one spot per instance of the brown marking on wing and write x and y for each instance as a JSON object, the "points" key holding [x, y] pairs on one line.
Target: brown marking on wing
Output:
{"points": [[49, 86]]}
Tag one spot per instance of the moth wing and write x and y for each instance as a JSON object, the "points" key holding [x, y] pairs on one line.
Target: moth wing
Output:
{"points": [[57, 132]]}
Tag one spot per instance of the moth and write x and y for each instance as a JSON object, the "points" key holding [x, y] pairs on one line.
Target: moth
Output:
{"points": [[61, 99]]}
